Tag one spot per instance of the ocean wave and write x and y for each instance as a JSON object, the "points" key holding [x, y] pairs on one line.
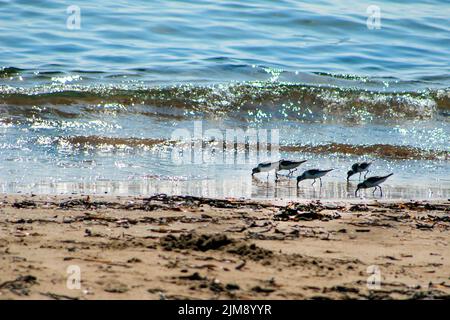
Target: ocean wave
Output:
{"points": [[246, 101], [6, 72]]}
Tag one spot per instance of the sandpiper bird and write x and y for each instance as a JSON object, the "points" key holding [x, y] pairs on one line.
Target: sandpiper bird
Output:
{"points": [[289, 165], [372, 182], [359, 168], [266, 167], [313, 174]]}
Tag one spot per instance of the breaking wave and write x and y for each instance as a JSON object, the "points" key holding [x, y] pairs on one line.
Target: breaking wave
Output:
{"points": [[245, 101]]}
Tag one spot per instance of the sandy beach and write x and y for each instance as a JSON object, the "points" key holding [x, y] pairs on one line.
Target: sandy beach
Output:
{"points": [[181, 247]]}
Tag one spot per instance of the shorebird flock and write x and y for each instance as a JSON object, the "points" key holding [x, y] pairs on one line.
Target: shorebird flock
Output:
{"points": [[314, 174]]}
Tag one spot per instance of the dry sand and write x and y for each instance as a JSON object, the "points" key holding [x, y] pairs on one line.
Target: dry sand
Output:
{"points": [[195, 248]]}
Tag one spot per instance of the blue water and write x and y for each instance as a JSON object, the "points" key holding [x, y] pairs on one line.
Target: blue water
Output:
{"points": [[222, 40], [314, 70]]}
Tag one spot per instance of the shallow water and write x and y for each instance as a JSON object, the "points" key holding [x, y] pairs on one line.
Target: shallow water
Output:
{"points": [[94, 109]]}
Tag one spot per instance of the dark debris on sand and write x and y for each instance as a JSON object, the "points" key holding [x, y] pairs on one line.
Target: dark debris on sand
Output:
{"points": [[415, 206], [193, 241], [160, 201], [21, 285], [206, 242], [251, 251], [192, 201], [24, 204], [199, 282], [305, 212]]}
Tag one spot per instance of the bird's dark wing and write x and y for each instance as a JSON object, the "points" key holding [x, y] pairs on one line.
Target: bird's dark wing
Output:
{"points": [[289, 162], [364, 165], [355, 167], [313, 171], [374, 179], [264, 164]]}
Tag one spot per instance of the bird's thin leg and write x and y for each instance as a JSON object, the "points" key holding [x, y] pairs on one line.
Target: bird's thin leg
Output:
{"points": [[381, 190], [313, 182], [320, 179], [360, 176], [366, 174], [267, 176], [375, 189]]}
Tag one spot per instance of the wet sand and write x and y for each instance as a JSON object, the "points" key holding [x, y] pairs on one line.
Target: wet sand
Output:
{"points": [[175, 247]]}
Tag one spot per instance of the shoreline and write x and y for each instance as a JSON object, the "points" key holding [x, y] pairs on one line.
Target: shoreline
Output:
{"points": [[234, 187], [183, 247]]}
